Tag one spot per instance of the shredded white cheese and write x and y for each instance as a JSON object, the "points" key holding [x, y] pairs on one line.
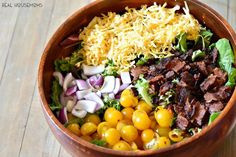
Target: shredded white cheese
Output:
{"points": [[149, 31]]}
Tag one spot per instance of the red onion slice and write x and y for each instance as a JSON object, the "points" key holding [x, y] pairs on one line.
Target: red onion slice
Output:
{"points": [[94, 97], [108, 85], [71, 90], [79, 113], [64, 98], [111, 95], [63, 116], [92, 70], [80, 94], [125, 77], [67, 81], [95, 81], [123, 87], [59, 76], [82, 84], [117, 86], [86, 105]]}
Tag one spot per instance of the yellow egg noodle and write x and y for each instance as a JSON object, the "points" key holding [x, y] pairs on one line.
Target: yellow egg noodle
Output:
{"points": [[149, 31]]}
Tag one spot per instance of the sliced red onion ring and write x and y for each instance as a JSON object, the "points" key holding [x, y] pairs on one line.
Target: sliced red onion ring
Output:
{"points": [[125, 77], [79, 113], [67, 81], [63, 116], [59, 76], [86, 105], [80, 94], [123, 87], [92, 70], [117, 86], [94, 97], [95, 81], [71, 90], [108, 85], [82, 85], [117, 96]]}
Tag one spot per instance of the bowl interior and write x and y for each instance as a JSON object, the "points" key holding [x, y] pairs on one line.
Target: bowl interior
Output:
{"points": [[81, 18]]}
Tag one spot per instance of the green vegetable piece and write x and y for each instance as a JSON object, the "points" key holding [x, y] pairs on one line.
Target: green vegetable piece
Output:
{"points": [[226, 60], [198, 54], [213, 116], [100, 143], [182, 42], [166, 98], [142, 86], [142, 61], [108, 102], [226, 55], [56, 91], [66, 64], [206, 36], [231, 78], [110, 69], [79, 121]]}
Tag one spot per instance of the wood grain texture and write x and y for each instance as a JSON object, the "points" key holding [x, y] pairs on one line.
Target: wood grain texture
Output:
{"points": [[23, 34]]}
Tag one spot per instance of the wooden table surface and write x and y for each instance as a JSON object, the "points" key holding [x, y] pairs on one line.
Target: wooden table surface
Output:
{"points": [[24, 32]]}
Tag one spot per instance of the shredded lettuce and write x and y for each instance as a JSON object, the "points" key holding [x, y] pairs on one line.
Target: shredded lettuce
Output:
{"points": [[198, 54], [213, 116], [142, 86], [110, 69], [182, 42], [66, 64], [205, 36], [226, 60], [56, 91]]}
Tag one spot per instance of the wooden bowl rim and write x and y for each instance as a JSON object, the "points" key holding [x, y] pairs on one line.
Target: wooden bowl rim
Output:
{"points": [[80, 141]]}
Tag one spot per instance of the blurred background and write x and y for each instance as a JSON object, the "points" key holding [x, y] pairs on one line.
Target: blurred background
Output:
{"points": [[25, 28]]}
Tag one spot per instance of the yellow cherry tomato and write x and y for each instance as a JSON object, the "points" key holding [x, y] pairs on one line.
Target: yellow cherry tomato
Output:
{"points": [[88, 128], [102, 127], [127, 98], [164, 117], [134, 146], [112, 136], [127, 113], [142, 105], [163, 131], [86, 138], [129, 133], [122, 145], [147, 135], [163, 142], [122, 123], [74, 127], [93, 118], [113, 116], [176, 135], [141, 120], [154, 124], [138, 141]]}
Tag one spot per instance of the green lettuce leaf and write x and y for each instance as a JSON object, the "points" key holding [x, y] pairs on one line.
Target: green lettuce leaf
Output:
{"points": [[213, 116], [56, 91]]}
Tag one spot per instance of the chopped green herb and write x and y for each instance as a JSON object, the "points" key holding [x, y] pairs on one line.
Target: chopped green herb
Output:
{"points": [[142, 61], [66, 64], [100, 143], [166, 98], [142, 86], [108, 102], [182, 42], [56, 91], [213, 116], [79, 121], [198, 54], [176, 80], [110, 69]]}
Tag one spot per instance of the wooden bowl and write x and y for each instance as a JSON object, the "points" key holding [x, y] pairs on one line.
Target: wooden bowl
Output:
{"points": [[203, 144]]}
